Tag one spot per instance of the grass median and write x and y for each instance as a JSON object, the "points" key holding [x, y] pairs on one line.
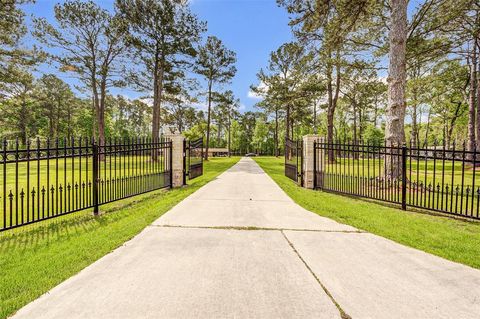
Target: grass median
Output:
{"points": [[453, 239], [35, 258]]}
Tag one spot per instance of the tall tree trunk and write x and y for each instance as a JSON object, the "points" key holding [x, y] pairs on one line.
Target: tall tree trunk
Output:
{"points": [[23, 122], [57, 121], [180, 126], [287, 123], [101, 118], [394, 130], [95, 101], [291, 128], [51, 129], [414, 137], [330, 111], [427, 129], [219, 134], [332, 103], [208, 118], [96, 108], [375, 111], [157, 102], [361, 125], [452, 124], [473, 137], [276, 133], [448, 138], [355, 128], [330, 134], [477, 79], [229, 133], [158, 74], [69, 123], [354, 104]]}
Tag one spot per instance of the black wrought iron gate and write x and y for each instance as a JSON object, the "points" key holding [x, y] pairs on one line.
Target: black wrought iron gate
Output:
{"points": [[193, 161], [294, 160]]}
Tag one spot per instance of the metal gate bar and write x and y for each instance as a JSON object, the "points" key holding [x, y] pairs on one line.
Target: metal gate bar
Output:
{"points": [[294, 160], [193, 159]]}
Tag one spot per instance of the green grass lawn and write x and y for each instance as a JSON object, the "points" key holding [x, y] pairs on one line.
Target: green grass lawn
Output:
{"points": [[453, 239], [35, 258]]}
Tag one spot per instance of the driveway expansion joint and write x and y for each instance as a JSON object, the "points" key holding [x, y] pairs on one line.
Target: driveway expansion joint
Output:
{"points": [[241, 200], [343, 314], [253, 228]]}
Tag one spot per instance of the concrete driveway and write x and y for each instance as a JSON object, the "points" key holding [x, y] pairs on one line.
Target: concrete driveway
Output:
{"points": [[241, 248]]}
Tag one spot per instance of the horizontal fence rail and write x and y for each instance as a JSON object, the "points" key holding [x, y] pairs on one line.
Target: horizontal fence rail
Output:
{"points": [[434, 178], [46, 179]]}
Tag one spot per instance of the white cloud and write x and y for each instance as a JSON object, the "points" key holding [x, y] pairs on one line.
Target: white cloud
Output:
{"points": [[253, 95]]}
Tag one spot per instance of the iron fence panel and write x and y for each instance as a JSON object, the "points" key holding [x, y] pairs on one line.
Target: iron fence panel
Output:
{"points": [[436, 178], [46, 179]]}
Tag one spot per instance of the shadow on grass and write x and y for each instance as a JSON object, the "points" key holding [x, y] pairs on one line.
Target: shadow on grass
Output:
{"points": [[37, 257], [68, 226]]}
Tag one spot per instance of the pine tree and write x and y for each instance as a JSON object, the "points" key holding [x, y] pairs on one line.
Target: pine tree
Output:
{"points": [[163, 34], [91, 41], [216, 64]]}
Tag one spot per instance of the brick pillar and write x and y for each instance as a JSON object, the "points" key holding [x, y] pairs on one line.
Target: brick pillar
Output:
{"points": [[308, 160], [177, 158]]}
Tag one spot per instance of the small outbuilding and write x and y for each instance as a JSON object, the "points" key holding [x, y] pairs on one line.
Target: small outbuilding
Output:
{"points": [[217, 151]]}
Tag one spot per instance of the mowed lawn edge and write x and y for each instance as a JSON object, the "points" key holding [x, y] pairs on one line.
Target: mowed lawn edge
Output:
{"points": [[37, 258], [453, 239]]}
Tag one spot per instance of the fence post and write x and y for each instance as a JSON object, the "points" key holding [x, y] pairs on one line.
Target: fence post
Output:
{"points": [[404, 177], [308, 160], [170, 164], [95, 178], [176, 159], [297, 154], [314, 164], [302, 173], [184, 162]]}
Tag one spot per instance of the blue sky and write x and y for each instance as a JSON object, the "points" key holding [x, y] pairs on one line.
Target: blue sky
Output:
{"points": [[252, 28]]}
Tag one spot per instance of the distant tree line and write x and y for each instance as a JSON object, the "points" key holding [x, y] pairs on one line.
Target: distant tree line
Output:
{"points": [[155, 47], [361, 70], [406, 72]]}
